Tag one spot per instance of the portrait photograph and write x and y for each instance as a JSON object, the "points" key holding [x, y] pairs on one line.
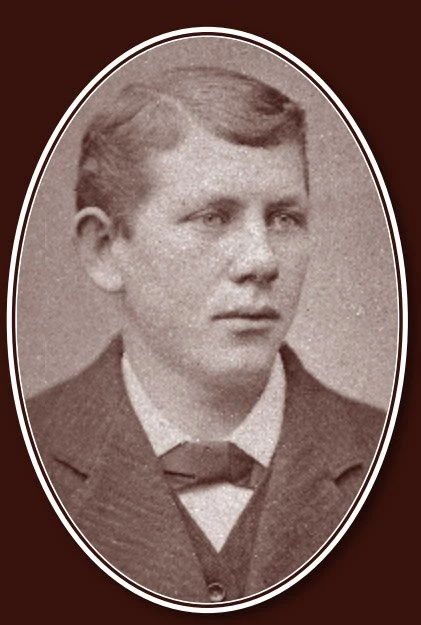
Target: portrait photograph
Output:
{"points": [[207, 320]]}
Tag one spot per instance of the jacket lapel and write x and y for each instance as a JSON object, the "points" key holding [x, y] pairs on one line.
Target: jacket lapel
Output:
{"points": [[303, 504], [125, 508]]}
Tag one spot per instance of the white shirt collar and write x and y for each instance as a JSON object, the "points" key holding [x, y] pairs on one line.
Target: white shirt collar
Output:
{"points": [[257, 435]]}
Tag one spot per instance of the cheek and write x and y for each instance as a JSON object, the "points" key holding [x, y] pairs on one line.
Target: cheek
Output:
{"points": [[293, 262], [172, 251], [292, 275], [168, 281]]}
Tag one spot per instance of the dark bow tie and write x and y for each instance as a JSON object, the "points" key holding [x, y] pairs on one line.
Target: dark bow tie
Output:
{"points": [[189, 464]]}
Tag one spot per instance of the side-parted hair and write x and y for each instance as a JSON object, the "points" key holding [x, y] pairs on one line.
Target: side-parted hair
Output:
{"points": [[114, 172]]}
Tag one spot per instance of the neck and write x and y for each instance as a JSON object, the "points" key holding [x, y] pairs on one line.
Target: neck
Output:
{"points": [[204, 409]]}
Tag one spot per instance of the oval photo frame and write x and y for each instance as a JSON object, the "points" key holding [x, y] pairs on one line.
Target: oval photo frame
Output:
{"points": [[20, 362]]}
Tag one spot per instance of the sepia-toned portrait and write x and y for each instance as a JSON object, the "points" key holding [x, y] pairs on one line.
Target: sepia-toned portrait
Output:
{"points": [[208, 320]]}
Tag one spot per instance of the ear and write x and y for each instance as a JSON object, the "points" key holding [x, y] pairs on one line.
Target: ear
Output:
{"points": [[94, 237]]}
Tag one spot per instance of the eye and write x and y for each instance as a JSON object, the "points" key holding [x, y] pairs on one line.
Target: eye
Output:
{"points": [[281, 219], [212, 218], [286, 220]]}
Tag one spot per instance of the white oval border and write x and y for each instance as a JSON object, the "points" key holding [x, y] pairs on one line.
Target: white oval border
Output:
{"points": [[402, 306]]}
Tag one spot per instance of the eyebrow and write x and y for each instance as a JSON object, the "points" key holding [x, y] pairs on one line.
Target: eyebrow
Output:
{"points": [[289, 201], [230, 202], [223, 202]]}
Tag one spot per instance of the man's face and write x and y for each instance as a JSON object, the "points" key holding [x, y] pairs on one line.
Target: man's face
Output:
{"points": [[214, 267]]}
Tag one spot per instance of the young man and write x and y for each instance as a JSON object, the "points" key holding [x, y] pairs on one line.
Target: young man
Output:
{"points": [[197, 456]]}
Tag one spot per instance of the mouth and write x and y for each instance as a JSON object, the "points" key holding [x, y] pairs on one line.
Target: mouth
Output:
{"points": [[265, 313]]}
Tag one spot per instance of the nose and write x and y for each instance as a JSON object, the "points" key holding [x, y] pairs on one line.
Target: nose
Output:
{"points": [[254, 259]]}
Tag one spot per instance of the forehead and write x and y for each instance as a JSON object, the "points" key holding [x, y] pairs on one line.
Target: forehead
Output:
{"points": [[203, 163]]}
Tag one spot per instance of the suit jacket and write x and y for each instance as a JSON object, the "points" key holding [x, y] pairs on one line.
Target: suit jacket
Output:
{"points": [[110, 482]]}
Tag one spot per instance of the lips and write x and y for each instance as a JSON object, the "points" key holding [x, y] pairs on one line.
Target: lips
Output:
{"points": [[250, 313]]}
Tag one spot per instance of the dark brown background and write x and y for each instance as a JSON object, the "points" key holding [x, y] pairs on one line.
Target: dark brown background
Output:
{"points": [[368, 60]]}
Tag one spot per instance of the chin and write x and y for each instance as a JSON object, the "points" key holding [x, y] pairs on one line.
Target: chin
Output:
{"points": [[236, 367]]}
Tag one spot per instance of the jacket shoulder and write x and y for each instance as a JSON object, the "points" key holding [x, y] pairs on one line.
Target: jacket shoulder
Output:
{"points": [[54, 410], [70, 422], [339, 419]]}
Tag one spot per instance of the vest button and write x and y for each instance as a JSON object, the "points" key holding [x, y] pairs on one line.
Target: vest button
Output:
{"points": [[216, 592]]}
